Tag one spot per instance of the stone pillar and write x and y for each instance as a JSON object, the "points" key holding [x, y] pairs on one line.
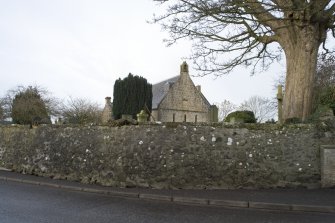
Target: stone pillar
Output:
{"points": [[280, 104], [107, 113], [213, 113], [328, 165]]}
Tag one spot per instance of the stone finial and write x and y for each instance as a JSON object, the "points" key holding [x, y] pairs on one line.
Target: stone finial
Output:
{"points": [[184, 67], [198, 88]]}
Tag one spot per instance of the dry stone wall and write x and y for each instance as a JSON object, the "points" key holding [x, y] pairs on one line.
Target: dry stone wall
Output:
{"points": [[169, 156]]}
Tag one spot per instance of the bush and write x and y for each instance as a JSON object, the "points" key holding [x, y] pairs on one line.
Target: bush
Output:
{"points": [[327, 97], [241, 116], [29, 107]]}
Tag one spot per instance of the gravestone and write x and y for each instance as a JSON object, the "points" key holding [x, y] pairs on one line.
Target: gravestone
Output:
{"points": [[328, 166]]}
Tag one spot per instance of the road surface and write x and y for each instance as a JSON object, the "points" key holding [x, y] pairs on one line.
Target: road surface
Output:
{"points": [[25, 203]]}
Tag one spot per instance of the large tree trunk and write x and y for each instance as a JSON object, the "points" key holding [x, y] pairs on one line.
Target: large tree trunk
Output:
{"points": [[301, 52]]}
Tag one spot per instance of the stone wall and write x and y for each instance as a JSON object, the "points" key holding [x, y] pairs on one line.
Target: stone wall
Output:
{"points": [[170, 155]]}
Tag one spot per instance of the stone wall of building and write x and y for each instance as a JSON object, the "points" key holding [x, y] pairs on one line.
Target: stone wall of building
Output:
{"points": [[184, 99], [170, 155], [169, 115]]}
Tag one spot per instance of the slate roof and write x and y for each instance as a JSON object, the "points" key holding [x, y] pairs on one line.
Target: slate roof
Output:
{"points": [[158, 92]]}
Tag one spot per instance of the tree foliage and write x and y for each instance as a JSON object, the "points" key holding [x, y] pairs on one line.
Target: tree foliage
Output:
{"points": [[51, 103], [244, 116], [29, 107], [229, 33], [81, 111], [131, 95]]}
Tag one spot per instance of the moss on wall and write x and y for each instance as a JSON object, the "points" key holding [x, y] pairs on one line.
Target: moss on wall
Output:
{"points": [[178, 156]]}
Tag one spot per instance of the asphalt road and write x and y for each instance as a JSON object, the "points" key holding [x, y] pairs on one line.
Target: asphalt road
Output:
{"points": [[24, 203]]}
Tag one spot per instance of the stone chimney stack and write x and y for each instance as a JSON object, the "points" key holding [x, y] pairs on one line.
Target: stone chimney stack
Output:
{"points": [[107, 113], [198, 88], [108, 100]]}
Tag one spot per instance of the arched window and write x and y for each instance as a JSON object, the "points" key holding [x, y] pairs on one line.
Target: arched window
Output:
{"points": [[174, 117], [184, 118]]}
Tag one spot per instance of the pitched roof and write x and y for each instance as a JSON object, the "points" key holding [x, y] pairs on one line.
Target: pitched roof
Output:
{"points": [[159, 92]]}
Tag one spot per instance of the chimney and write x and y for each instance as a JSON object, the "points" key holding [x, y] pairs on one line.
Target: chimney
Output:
{"points": [[198, 88], [108, 100], [107, 113]]}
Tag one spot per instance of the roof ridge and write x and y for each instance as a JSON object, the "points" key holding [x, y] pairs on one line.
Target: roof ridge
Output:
{"points": [[167, 80]]}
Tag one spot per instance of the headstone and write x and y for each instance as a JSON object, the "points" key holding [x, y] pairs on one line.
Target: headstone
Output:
{"points": [[328, 166]]}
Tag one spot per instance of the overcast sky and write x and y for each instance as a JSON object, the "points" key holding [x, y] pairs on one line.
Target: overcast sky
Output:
{"points": [[79, 48]]}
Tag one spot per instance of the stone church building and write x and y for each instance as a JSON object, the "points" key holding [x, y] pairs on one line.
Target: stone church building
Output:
{"points": [[178, 100]]}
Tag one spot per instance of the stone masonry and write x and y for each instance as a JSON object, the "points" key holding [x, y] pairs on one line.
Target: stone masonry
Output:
{"points": [[108, 111], [172, 155], [179, 100]]}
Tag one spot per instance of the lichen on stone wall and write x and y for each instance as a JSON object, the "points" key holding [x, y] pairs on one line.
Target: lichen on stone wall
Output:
{"points": [[175, 156]]}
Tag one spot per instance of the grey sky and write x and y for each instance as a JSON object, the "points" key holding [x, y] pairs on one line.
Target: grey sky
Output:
{"points": [[79, 48]]}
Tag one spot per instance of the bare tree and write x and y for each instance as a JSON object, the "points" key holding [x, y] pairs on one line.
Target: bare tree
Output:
{"points": [[2, 111], [81, 111], [228, 33], [263, 108], [225, 108]]}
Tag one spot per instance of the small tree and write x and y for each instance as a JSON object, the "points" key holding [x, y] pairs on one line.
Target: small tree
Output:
{"points": [[263, 108], [51, 103], [28, 107], [225, 108], [81, 111], [131, 95]]}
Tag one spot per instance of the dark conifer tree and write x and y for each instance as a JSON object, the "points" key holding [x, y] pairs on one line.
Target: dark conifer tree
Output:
{"points": [[131, 95]]}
